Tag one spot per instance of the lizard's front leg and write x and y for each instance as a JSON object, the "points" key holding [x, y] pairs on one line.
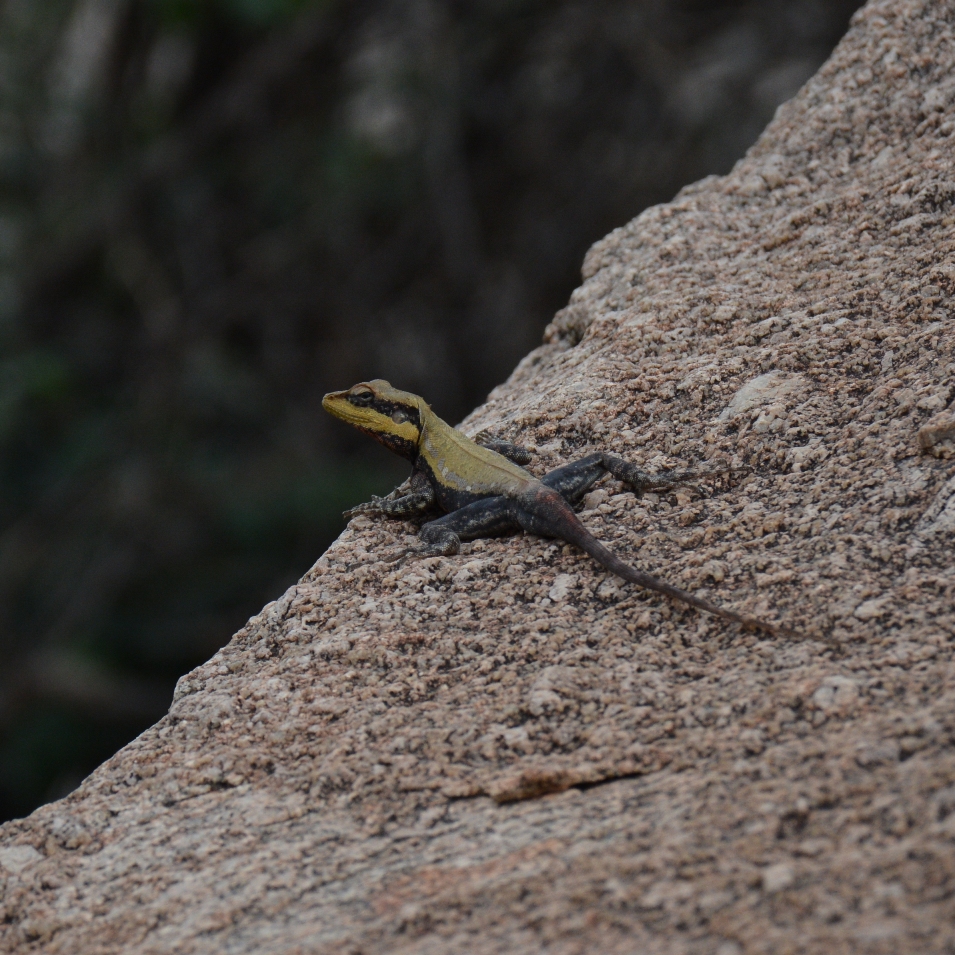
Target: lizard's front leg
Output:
{"points": [[513, 452], [574, 480], [413, 504]]}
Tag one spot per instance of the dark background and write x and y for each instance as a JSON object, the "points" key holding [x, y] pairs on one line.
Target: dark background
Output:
{"points": [[214, 211]]}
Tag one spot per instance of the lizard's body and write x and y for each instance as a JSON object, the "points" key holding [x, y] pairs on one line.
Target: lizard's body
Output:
{"points": [[486, 493]]}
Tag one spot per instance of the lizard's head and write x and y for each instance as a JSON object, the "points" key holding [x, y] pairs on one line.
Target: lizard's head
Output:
{"points": [[390, 416]]}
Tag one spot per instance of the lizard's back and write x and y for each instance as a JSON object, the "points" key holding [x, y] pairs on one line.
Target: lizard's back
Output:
{"points": [[461, 470]]}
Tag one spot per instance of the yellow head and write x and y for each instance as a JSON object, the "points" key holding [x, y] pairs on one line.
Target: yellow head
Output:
{"points": [[390, 416]]}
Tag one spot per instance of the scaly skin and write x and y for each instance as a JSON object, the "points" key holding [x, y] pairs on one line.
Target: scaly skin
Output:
{"points": [[485, 492]]}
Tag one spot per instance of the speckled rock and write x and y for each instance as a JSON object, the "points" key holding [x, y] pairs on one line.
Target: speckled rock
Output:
{"points": [[511, 751]]}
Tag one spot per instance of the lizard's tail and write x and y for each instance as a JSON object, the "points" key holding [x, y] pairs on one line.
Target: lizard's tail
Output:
{"points": [[557, 519]]}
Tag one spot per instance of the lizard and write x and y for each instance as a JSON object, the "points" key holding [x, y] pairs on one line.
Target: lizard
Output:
{"points": [[485, 491]]}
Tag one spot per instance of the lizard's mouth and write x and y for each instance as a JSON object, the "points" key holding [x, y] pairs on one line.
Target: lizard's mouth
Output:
{"points": [[336, 403]]}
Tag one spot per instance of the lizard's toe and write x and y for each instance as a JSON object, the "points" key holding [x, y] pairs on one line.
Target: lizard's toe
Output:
{"points": [[369, 507]]}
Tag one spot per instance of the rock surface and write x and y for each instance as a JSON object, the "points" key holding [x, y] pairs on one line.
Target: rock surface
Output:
{"points": [[509, 750]]}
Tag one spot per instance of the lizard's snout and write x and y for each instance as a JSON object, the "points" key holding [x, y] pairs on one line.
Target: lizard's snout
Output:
{"points": [[336, 403], [331, 398]]}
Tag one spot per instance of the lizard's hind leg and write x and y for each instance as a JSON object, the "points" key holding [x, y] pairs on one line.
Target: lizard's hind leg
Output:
{"points": [[573, 481], [488, 518]]}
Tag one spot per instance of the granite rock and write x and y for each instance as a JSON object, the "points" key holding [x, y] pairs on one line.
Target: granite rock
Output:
{"points": [[509, 751]]}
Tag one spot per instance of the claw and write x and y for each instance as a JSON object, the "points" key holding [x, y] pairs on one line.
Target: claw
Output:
{"points": [[730, 471], [369, 507], [353, 512], [412, 552]]}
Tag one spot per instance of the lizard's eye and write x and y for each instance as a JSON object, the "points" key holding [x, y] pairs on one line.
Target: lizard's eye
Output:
{"points": [[361, 398], [399, 416]]}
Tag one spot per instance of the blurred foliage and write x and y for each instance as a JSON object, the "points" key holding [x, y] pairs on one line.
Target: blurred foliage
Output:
{"points": [[213, 211], [259, 13]]}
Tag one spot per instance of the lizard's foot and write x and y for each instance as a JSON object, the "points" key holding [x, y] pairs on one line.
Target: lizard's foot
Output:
{"points": [[425, 551], [407, 552], [722, 467], [374, 506], [641, 481], [439, 541]]}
